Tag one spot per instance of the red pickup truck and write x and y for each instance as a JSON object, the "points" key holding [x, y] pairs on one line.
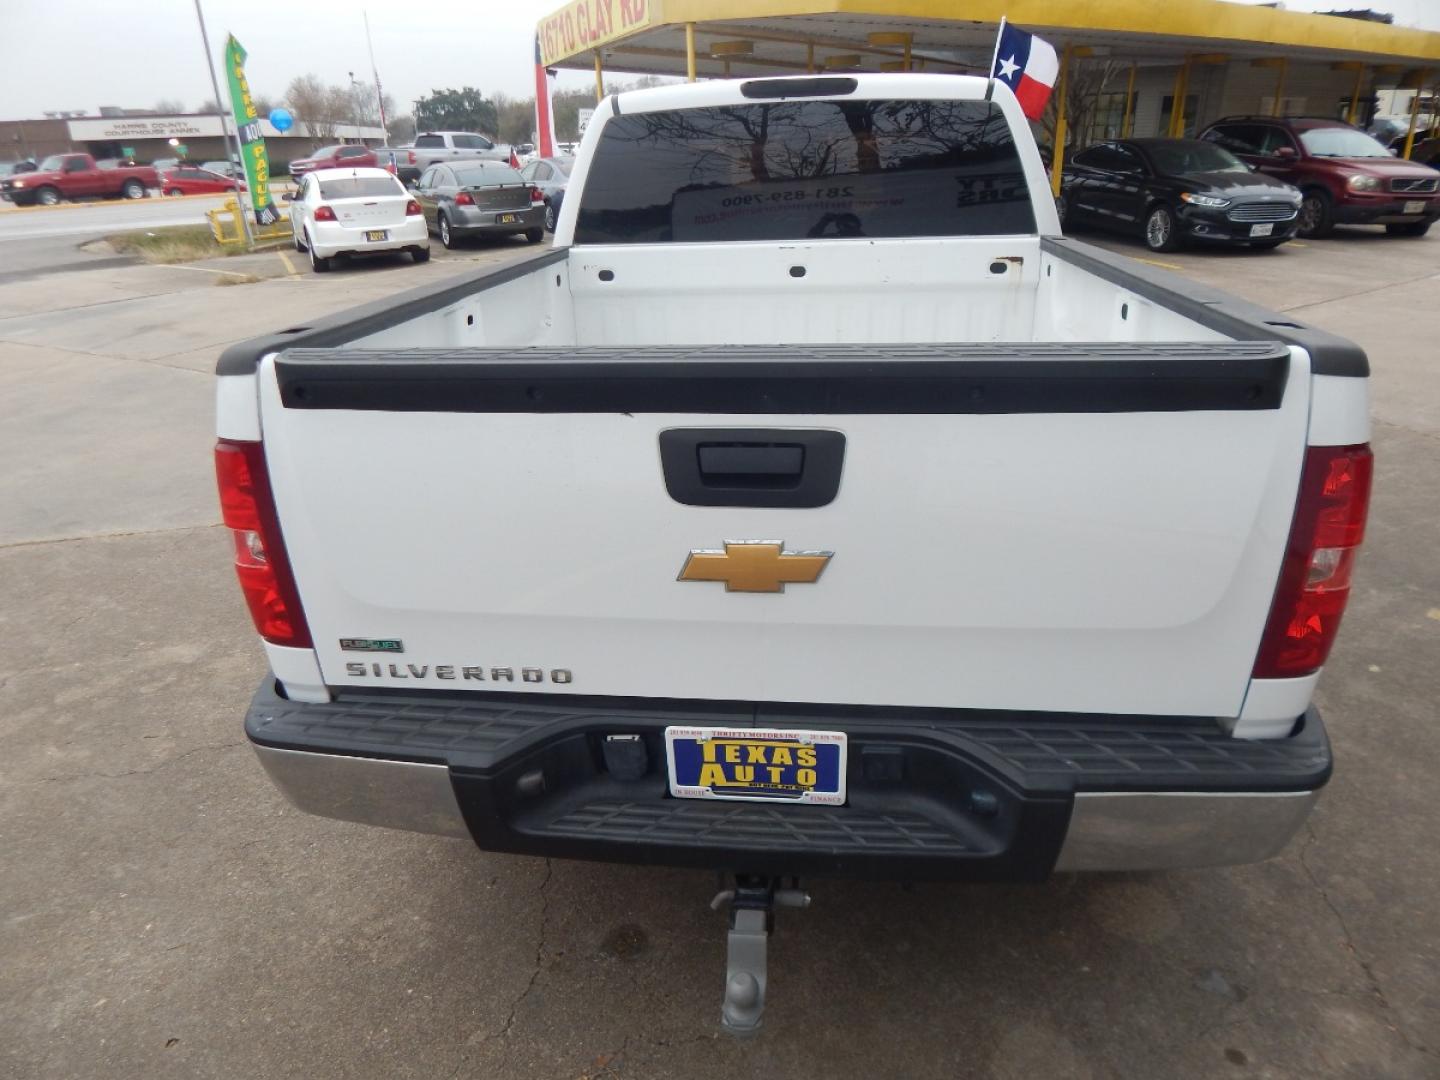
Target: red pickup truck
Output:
{"points": [[76, 176]]}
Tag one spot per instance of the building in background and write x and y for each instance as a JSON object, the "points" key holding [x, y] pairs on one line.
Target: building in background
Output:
{"points": [[146, 137]]}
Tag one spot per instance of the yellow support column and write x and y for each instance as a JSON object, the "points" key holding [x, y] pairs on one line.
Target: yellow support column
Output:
{"points": [[1177, 100], [1354, 109], [1057, 157], [901, 39], [599, 78], [810, 57], [1129, 121], [1414, 114], [1276, 107], [689, 52]]}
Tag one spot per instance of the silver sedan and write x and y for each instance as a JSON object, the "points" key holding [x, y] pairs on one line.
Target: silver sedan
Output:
{"points": [[477, 197]]}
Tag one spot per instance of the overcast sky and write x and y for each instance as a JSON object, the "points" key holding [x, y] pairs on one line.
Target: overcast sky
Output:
{"points": [[81, 54]]}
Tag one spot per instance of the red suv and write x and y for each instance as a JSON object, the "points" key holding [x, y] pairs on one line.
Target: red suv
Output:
{"points": [[347, 156], [1345, 176]]}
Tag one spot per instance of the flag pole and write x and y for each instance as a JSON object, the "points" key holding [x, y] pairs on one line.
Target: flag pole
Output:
{"points": [[375, 71], [995, 56], [224, 127]]}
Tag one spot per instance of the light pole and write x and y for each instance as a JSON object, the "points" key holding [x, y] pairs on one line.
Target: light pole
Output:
{"points": [[355, 102], [224, 128]]}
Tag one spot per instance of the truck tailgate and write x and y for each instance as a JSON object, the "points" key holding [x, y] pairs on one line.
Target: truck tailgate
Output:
{"points": [[1092, 528]]}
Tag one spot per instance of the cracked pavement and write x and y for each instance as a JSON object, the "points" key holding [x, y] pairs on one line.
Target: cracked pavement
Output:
{"points": [[163, 912]]}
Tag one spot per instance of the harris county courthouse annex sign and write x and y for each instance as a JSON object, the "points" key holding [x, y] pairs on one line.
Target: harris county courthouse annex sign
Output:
{"points": [[122, 128]]}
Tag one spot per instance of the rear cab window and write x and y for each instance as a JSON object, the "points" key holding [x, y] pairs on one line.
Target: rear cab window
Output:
{"points": [[798, 170], [488, 176], [429, 140], [360, 187]]}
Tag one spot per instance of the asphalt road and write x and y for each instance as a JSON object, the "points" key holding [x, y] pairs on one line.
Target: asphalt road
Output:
{"points": [[164, 913], [35, 240]]}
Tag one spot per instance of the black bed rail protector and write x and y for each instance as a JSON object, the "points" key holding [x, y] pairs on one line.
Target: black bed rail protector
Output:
{"points": [[354, 323], [1214, 308], [827, 379]]}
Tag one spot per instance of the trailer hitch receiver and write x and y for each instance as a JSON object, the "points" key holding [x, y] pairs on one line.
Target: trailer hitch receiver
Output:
{"points": [[752, 900]]}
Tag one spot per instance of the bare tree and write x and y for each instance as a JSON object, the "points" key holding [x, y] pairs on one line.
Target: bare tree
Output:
{"points": [[1087, 85], [319, 107], [169, 105], [401, 129]]}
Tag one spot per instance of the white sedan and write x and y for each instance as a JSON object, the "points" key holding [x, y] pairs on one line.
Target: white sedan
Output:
{"points": [[355, 212]]}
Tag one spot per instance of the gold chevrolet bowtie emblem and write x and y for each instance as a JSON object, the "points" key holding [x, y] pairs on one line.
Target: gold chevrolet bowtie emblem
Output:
{"points": [[755, 566]]}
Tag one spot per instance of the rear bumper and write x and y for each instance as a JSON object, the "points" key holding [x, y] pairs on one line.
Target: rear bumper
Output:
{"points": [[933, 794], [332, 238], [470, 220]]}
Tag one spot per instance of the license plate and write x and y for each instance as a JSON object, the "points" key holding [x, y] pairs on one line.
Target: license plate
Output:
{"points": [[507, 219], [1262, 230], [1414, 206], [756, 764], [377, 234]]}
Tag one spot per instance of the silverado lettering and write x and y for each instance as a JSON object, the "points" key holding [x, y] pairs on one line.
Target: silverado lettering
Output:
{"points": [[358, 670]]}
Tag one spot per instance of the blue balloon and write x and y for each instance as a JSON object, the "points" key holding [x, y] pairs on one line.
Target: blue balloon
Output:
{"points": [[281, 120]]}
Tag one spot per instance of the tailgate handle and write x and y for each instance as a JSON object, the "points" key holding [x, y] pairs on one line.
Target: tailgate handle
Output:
{"points": [[735, 464], [792, 467]]}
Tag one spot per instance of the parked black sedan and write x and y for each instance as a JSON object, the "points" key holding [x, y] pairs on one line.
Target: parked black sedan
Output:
{"points": [[1169, 191]]}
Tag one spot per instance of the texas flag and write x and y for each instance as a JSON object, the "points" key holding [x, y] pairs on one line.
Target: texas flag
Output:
{"points": [[1028, 65]]}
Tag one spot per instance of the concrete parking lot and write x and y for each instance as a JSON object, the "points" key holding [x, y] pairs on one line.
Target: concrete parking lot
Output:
{"points": [[163, 912]]}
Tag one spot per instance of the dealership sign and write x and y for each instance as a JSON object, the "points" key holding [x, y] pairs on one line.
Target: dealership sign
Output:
{"points": [[252, 140], [586, 24]]}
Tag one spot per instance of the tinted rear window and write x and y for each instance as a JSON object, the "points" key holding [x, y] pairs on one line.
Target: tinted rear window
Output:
{"points": [[359, 187], [429, 140], [487, 175], [808, 169]]}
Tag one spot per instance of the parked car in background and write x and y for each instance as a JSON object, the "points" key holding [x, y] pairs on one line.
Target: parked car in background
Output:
{"points": [[389, 158], [341, 156], [1387, 128], [1427, 151], [550, 175], [1170, 191], [160, 164], [473, 197], [77, 176], [192, 180], [1345, 176], [355, 212], [224, 168], [431, 147]]}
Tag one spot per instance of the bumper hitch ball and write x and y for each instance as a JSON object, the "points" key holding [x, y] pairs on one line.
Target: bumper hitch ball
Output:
{"points": [[752, 900]]}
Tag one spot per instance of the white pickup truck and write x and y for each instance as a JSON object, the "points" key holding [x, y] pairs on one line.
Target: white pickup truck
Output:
{"points": [[812, 507]]}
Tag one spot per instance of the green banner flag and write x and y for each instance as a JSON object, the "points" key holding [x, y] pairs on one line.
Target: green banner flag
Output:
{"points": [[252, 144]]}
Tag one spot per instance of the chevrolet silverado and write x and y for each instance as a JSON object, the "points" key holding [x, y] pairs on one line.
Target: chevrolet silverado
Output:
{"points": [[811, 507]]}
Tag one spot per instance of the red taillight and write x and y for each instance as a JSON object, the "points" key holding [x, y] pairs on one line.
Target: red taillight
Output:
{"points": [[248, 510], [1315, 576], [411, 155], [536, 195], [464, 199], [324, 213], [412, 208]]}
